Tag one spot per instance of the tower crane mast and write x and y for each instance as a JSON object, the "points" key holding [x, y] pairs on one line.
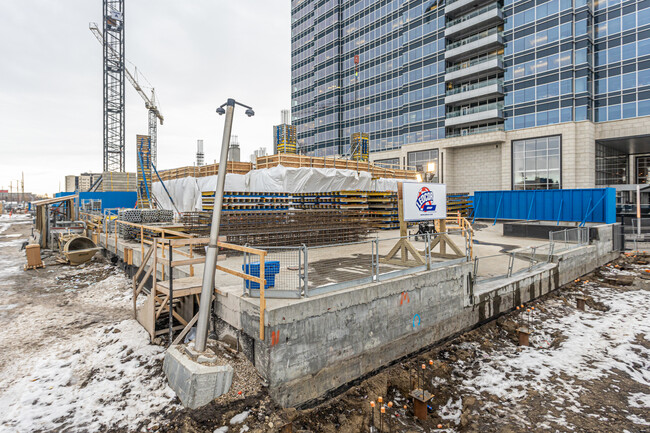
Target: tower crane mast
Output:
{"points": [[149, 102]]}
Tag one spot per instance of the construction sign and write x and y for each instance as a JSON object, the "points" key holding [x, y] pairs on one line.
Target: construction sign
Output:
{"points": [[424, 201]]}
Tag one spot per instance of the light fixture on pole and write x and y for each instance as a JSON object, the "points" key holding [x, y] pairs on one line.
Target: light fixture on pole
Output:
{"points": [[209, 269]]}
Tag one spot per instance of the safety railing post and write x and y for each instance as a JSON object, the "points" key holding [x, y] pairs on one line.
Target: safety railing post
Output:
{"points": [[300, 274], [511, 263], [427, 250], [306, 260], [246, 269], [532, 258], [375, 259], [475, 269]]}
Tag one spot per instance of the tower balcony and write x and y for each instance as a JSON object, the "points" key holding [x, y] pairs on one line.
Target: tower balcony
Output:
{"points": [[488, 15], [477, 43], [475, 68], [475, 115], [474, 92]]}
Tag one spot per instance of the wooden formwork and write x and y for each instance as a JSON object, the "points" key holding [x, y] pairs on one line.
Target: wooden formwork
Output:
{"points": [[205, 170], [297, 161], [293, 161], [118, 181]]}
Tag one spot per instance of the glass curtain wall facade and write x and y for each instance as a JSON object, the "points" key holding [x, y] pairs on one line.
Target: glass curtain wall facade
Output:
{"points": [[367, 66], [411, 71]]}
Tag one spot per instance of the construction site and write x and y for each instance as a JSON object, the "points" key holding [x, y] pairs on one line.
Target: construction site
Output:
{"points": [[303, 293]]}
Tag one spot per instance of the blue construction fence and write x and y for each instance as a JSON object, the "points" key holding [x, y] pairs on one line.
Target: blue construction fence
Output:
{"points": [[110, 199], [596, 205]]}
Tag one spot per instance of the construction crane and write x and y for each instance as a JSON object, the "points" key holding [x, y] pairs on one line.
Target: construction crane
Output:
{"points": [[149, 102]]}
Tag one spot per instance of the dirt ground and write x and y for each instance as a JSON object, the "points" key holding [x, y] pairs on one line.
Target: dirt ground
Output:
{"points": [[73, 359], [571, 379]]}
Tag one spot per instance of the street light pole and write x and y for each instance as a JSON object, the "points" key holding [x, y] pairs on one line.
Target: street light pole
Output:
{"points": [[209, 269]]}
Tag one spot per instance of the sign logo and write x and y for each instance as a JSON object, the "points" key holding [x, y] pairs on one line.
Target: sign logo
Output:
{"points": [[424, 202]]}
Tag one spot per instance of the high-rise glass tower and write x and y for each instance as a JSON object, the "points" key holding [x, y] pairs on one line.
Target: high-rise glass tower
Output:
{"points": [[374, 67], [533, 89]]}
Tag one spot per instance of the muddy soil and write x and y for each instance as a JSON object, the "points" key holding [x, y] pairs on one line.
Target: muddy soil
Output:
{"points": [[482, 380], [565, 403]]}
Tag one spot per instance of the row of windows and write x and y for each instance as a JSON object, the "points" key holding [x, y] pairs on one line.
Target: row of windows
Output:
{"points": [[309, 35], [540, 92], [539, 65], [623, 82], [623, 52], [622, 111], [367, 36], [602, 4], [542, 118], [537, 13], [540, 38], [619, 24]]}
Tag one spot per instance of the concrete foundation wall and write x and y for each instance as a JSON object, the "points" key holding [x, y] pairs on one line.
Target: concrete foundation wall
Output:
{"points": [[316, 346], [334, 339]]}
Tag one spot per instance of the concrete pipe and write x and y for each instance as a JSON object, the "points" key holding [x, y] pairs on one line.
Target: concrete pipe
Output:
{"points": [[79, 249]]}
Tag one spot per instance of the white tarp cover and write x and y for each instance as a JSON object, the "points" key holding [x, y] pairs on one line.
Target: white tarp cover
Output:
{"points": [[186, 192]]}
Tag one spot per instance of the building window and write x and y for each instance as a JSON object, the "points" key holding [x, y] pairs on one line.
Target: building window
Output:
{"points": [[536, 163], [643, 169], [424, 161], [611, 166], [387, 163]]}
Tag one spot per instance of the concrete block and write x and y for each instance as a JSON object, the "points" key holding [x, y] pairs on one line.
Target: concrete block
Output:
{"points": [[195, 384]]}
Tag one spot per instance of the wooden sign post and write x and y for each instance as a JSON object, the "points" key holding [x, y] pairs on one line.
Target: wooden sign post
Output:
{"points": [[404, 246]]}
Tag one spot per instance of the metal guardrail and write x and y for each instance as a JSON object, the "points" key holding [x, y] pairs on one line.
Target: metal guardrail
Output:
{"points": [[479, 130], [473, 14], [518, 261], [476, 109], [297, 274], [569, 238], [473, 38], [472, 62], [486, 268], [474, 86]]}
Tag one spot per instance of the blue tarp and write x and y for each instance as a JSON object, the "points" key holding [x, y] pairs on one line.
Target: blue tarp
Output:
{"points": [[579, 205]]}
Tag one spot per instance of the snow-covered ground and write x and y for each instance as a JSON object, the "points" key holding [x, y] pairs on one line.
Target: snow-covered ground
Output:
{"points": [[73, 358], [575, 352]]}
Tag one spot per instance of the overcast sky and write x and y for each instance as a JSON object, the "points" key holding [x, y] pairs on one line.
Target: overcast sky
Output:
{"points": [[196, 54]]}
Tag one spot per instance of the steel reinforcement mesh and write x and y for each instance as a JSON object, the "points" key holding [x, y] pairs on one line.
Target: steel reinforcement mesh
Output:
{"points": [[283, 228]]}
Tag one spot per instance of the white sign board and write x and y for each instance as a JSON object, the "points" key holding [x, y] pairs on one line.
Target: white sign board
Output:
{"points": [[424, 201]]}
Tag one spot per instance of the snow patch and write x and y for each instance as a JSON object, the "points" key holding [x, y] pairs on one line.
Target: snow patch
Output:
{"points": [[239, 418], [452, 410], [639, 400]]}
